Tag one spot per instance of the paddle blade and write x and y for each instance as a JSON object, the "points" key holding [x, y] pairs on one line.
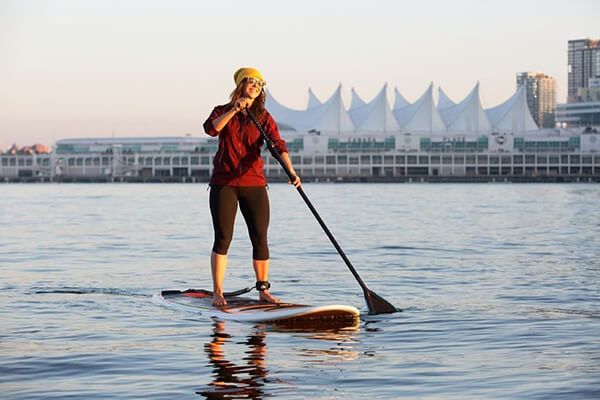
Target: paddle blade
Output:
{"points": [[379, 305]]}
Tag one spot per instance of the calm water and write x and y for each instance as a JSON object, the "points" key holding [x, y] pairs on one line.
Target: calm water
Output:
{"points": [[500, 285]]}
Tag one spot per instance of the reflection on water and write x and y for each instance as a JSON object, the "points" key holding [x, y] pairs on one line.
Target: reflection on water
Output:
{"points": [[247, 379], [230, 379]]}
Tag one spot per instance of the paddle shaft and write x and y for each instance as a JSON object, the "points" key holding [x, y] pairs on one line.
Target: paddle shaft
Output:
{"points": [[289, 173]]}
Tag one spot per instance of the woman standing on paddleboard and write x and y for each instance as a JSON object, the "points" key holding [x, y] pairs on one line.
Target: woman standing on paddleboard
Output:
{"points": [[238, 178]]}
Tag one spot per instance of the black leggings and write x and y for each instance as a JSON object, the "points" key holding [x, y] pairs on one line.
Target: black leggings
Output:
{"points": [[254, 204]]}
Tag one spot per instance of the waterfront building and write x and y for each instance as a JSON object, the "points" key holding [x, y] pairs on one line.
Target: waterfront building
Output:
{"points": [[540, 91], [583, 67], [579, 115], [444, 141], [582, 109], [554, 154]]}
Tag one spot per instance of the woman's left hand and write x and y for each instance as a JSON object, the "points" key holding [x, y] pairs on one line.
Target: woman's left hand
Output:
{"points": [[296, 181]]}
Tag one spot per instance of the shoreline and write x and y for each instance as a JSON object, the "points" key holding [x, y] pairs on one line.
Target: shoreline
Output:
{"points": [[333, 180]]}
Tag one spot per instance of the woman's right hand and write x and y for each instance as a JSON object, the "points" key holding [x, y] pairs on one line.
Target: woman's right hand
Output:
{"points": [[240, 104]]}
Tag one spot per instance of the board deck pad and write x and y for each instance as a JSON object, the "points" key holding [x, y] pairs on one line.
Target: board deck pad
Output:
{"points": [[245, 309]]}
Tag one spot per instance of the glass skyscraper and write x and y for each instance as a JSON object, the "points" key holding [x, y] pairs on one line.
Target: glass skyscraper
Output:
{"points": [[541, 97], [584, 65]]}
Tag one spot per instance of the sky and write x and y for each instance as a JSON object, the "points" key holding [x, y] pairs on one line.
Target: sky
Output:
{"points": [[123, 68]]}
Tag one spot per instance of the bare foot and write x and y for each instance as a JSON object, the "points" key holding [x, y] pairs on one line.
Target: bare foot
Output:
{"points": [[267, 297], [218, 300]]}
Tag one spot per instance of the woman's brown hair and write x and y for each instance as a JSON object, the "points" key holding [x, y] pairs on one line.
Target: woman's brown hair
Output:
{"points": [[258, 106]]}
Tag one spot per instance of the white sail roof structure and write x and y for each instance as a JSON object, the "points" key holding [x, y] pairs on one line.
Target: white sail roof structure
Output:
{"points": [[355, 100], [422, 115], [513, 115], [443, 100], [468, 115], [399, 100], [313, 101], [331, 116], [375, 116]]}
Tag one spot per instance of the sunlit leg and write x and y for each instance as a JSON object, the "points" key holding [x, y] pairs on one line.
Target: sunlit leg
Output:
{"points": [[218, 264]]}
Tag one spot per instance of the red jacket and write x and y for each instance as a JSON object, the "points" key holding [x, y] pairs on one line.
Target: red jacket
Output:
{"points": [[238, 161]]}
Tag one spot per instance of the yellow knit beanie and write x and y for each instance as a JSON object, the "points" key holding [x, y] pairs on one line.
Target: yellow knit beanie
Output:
{"points": [[246, 72]]}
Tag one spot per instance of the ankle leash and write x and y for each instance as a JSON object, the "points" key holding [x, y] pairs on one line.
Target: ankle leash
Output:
{"points": [[261, 286]]}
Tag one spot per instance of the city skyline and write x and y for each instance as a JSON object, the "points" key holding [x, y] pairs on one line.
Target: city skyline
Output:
{"points": [[91, 68]]}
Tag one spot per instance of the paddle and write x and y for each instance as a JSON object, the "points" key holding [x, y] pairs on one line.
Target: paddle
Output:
{"points": [[375, 303]]}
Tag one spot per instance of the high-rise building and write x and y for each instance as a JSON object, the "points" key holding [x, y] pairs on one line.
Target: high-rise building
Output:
{"points": [[541, 96], [584, 66]]}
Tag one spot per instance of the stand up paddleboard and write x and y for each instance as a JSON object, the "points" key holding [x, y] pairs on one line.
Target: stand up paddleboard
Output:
{"points": [[244, 309]]}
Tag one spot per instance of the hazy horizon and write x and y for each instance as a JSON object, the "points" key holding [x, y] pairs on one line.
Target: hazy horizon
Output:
{"points": [[86, 68]]}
